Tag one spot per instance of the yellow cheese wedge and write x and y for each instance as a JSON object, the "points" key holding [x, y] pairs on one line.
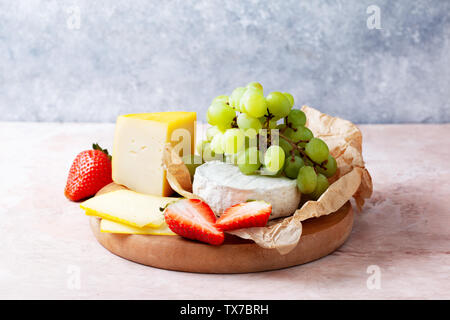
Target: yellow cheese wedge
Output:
{"points": [[128, 207], [115, 227], [139, 141]]}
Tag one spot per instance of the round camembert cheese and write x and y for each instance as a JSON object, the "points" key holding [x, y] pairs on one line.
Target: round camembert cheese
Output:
{"points": [[223, 185]]}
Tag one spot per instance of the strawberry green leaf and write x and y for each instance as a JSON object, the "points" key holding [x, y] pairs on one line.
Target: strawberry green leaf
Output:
{"points": [[96, 146]]}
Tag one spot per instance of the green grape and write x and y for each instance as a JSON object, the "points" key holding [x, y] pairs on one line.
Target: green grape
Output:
{"points": [[278, 104], [235, 97], [221, 115], [308, 162], [299, 134], [211, 132], [321, 187], [292, 165], [297, 118], [274, 159], [317, 150], [273, 124], [306, 179], [217, 143], [233, 141], [248, 160], [208, 154], [287, 147], [281, 127], [251, 142], [200, 146], [290, 98], [330, 167], [254, 103], [192, 162], [264, 171], [242, 105], [245, 122], [255, 85], [222, 98], [250, 133]]}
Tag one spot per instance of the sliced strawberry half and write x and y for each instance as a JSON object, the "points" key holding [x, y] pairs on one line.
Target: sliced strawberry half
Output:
{"points": [[193, 219], [245, 215]]}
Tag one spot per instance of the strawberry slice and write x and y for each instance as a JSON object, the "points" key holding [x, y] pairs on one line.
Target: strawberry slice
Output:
{"points": [[193, 219], [245, 215]]}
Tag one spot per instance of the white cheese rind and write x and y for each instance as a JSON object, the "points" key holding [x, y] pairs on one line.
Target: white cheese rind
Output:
{"points": [[223, 185]]}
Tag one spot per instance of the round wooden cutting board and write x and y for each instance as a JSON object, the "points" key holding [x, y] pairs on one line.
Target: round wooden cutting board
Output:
{"points": [[320, 237]]}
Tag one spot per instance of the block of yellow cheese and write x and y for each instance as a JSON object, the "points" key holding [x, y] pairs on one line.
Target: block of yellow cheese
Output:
{"points": [[139, 141], [128, 207], [109, 226]]}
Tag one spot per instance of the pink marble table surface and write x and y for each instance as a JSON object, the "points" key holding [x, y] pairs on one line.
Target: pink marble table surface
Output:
{"points": [[399, 247]]}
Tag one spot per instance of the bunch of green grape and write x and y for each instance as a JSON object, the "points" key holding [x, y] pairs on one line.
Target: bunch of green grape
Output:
{"points": [[266, 135]]}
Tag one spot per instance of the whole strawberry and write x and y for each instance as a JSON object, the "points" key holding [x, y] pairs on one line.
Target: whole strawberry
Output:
{"points": [[90, 171]]}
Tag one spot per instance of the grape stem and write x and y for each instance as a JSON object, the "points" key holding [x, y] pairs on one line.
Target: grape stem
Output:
{"points": [[269, 117], [302, 151], [234, 123], [266, 125], [293, 154]]}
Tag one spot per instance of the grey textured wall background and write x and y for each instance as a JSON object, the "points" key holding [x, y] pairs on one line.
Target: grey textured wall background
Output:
{"points": [[136, 56]]}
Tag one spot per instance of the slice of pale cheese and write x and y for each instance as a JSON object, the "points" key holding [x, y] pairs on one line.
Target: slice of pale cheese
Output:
{"points": [[109, 226], [128, 207], [223, 185], [139, 140]]}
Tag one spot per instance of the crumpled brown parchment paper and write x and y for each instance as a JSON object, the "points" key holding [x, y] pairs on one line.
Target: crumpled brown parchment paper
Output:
{"points": [[177, 173], [352, 179]]}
